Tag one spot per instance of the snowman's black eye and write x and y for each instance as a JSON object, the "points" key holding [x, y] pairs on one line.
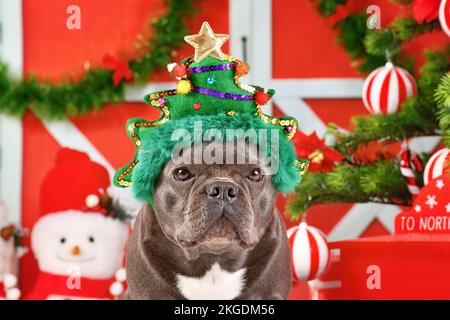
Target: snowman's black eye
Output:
{"points": [[91, 239], [62, 240]]}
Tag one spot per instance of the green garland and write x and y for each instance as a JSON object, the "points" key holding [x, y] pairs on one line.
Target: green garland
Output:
{"points": [[379, 182], [426, 114], [95, 88]]}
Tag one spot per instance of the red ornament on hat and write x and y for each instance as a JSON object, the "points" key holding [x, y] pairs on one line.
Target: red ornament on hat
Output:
{"points": [[241, 68], [64, 189], [179, 71], [261, 97]]}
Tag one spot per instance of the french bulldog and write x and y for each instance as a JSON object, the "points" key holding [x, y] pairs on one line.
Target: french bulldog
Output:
{"points": [[213, 233]]}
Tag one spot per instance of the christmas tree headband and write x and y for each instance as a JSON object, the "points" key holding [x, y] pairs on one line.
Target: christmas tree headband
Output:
{"points": [[208, 91]]}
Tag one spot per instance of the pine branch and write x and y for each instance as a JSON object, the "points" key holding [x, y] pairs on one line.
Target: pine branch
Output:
{"points": [[168, 34], [442, 96], [379, 182], [401, 29], [328, 7]]}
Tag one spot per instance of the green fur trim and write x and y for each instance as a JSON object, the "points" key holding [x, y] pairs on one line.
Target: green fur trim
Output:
{"points": [[156, 149]]}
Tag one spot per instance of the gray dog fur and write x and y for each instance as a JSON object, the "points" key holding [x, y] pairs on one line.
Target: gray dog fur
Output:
{"points": [[192, 230]]}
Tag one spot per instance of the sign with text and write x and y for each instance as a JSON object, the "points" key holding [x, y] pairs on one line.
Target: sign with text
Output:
{"points": [[430, 212]]}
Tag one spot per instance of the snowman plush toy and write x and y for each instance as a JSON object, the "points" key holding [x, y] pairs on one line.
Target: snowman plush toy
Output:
{"points": [[80, 238]]}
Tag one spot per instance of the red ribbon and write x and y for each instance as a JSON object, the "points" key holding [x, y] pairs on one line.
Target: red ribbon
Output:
{"points": [[120, 68], [340, 14], [427, 10]]}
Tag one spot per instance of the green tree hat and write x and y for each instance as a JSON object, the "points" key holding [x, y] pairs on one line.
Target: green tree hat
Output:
{"points": [[208, 91]]}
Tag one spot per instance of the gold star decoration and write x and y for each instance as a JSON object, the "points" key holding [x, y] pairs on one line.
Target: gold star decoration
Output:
{"points": [[206, 43]]}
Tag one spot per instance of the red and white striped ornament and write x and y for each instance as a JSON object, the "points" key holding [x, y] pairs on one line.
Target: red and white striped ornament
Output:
{"points": [[386, 88], [437, 165], [408, 163], [310, 255], [444, 16]]}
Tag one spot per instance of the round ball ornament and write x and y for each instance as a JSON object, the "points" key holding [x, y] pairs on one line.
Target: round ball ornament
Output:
{"points": [[179, 71], [241, 68], [310, 254], [386, 88], [444, 16], [261, 97], [92, 201], [437, 165], [184, 87]]}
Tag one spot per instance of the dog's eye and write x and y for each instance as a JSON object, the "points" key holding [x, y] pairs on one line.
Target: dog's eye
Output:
{"points": [[255, 175], [182, 174]]}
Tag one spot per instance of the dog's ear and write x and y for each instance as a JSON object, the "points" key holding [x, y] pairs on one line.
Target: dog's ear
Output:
{"points": [[147, 215], [147, 210], [143, 224]]}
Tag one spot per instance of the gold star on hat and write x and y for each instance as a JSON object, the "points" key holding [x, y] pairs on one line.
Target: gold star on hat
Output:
{"points": [[206, 43]]}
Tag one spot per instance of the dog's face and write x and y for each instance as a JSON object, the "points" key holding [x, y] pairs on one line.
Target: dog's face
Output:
{"points": [[215, 207]]}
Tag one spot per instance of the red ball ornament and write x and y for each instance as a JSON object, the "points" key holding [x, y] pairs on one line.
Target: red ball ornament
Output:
{"points": [[310, 254], [437, 166], [386, 88], [288, 128], [444, 16], [197, 106], [261, 97], [179, 71]]}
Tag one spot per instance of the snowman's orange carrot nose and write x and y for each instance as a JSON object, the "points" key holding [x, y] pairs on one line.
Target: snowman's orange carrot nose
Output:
{"points": [[75, 250]]}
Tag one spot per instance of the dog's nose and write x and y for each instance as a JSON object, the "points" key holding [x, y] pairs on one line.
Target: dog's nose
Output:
{"points": [[222, 190]]}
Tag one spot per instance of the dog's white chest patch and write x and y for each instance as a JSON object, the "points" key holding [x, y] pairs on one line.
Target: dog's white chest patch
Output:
{"points": [[216, 284]]}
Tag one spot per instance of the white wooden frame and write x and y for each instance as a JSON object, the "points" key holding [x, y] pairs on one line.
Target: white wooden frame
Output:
{"points": [[11, 52]]}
